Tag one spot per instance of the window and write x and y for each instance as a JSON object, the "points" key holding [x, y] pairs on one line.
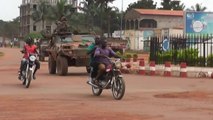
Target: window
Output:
{"points": [[136, 24], [148, 23], [34, 28]]}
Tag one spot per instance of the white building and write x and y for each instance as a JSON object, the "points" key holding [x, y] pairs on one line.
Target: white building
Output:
{"points": [[140, 24]]}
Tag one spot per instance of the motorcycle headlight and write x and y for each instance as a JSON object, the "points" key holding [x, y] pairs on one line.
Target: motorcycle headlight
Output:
{"points": [[32, 58], [118, 65]]}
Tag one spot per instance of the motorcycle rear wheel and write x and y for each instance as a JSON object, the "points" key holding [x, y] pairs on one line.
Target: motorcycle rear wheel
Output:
{"points": [[118, 88], [96, 91]]}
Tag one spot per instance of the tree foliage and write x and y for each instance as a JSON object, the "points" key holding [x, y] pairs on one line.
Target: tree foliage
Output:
{"points": [[61, 9], [33, 36], [95, 15], [197, 7], [143, 4], [41, 13], [172, 5], [10, 29], [99, 15]]}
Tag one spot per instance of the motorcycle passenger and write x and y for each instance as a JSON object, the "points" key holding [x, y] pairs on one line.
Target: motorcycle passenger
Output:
{"points": [[90, 51], [29, 48], [101, 57]]}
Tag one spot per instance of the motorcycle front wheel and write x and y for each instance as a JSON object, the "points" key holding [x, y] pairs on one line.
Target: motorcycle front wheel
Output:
{"points": [[118, 88], [28, 78], [96, 91]]}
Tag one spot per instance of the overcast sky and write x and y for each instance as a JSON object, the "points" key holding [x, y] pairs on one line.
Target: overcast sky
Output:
{"points": [[9, 8]]}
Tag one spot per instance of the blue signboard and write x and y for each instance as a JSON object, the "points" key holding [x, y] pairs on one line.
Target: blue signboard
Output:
{"points": [[165, 44], [199, 22]]}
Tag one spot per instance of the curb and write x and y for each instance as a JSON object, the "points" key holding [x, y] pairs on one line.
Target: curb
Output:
{"points": [[167, 70]]}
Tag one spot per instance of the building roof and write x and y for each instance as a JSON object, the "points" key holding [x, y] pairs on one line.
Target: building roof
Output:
{"points": [[159, 12]]}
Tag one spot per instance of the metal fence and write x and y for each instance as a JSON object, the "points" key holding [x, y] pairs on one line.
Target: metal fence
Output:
{"points": [[195, 50]]}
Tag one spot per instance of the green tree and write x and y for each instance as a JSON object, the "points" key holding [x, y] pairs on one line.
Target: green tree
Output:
{"points": [[110, 17], [90, 10], [33, 36], [61, 9], [176, 5], [2, 23], [103, 7], [77, 23], [10, 29], [166, 5], [197, 7], [41, 13], [172, 5], [143, 4], [104, 2], [98, 15]]}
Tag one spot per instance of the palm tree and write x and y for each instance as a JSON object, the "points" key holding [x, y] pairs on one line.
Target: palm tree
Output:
{"points": [[98, 15], [176, 5], [90, 10], [103, 6], [77, 22], [197, 7], [42, 13], [172, 5], [61, 9], [109, 15]]}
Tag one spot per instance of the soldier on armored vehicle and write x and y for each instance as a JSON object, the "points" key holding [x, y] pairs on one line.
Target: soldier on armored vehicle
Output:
{"points": [[61, 25]]}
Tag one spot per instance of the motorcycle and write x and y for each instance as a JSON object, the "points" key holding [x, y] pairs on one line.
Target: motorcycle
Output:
{"points": [[111, 79], [29, 68]]}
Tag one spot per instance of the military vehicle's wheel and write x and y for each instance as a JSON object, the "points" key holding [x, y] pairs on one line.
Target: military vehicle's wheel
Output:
{"points": [[51, 65], [62, 65]]}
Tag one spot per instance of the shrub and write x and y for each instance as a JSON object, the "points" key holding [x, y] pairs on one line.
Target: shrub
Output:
{"points": [[119, 54], [189, 56], [164, 56], [135, 55], [128, 56], [210, 60], [200, 61]]}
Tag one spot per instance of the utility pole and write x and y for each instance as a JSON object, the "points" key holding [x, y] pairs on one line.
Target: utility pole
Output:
{"points": [[121, 26]]}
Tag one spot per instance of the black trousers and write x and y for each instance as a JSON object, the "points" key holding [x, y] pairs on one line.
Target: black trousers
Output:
{"points": [[94, 71]]}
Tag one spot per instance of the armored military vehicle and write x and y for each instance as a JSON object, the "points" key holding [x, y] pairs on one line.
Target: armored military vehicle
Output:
{"points": [[67, 49], [43, 46]]}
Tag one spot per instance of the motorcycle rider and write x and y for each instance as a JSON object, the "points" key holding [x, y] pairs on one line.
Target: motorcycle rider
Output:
{"points": [[29, 48], [101, 55], [90, 51]]}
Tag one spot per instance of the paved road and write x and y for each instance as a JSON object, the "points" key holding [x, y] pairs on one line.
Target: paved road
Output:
{"points": [[52, 97]]}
